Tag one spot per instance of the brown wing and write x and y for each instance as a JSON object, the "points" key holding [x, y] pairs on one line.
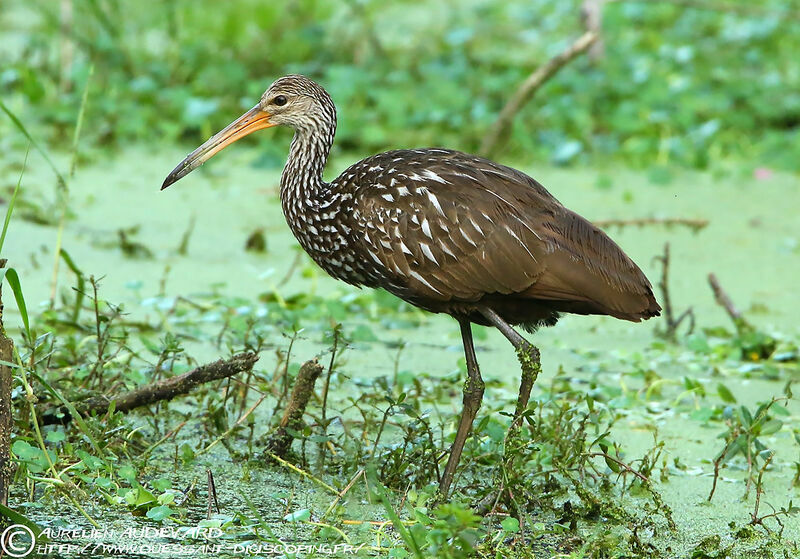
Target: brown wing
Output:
{"points": [[450, 227]]}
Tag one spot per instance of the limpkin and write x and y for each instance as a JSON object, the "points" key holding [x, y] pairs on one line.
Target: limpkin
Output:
{"points": [[446, 231]]}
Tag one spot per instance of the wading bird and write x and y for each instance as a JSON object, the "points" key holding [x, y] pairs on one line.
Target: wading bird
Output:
{"points": [[446, 231]]}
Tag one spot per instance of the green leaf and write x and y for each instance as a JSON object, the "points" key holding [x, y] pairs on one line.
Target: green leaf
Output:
{"points": [[766, 454], [692, 384], [140, 498], [736, 447], [159, 513], [55, 436], [128, 473], [298, 516], [187, 453], [510, 525], [780, 410], [103, 483], [726, 395], [616, 468], [771, 426], [166, 498], [162, 484], [746, 418]]}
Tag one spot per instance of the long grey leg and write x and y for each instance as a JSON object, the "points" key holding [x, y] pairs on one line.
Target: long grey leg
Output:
{"points": [[473, 394], [529, 359]]}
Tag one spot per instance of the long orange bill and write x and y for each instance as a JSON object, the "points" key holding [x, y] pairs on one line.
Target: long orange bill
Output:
{"points": [[254, 119]]}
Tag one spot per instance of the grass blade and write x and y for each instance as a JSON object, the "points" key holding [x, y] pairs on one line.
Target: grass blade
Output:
{"points": [[11, 202], [18, 123], [18, 518], [79, 124], [76, 416], [401, 528], [79, 291], [13, 280]]}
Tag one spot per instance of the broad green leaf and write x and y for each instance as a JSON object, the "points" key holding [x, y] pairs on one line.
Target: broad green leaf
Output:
{"points": [[746, 418], [726, 395], [159, 513], [771, 426], [298, 516], [510, 524]]}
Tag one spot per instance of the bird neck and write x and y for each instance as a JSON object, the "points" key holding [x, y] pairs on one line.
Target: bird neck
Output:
{"points": [[303, 191], [301, 180]]}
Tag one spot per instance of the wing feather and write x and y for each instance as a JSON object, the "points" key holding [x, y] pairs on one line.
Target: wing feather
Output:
{"points": [[460, 228]]}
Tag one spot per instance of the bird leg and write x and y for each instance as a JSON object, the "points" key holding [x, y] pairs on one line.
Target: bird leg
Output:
{"points": [[529, 359], [528, 356], [473, 394]]}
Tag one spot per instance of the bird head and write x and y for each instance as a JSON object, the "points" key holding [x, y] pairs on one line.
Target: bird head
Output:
{"points": [[293, 101]]}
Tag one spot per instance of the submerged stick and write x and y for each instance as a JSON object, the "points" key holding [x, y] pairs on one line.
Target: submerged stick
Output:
{"points": [[694, 224], [162, 390], [292, 420]]}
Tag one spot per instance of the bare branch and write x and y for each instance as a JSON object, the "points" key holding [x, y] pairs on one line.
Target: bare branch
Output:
{"points": [[723, 300], [525, 91], [165, 389], [671, 329], [592, 18]]}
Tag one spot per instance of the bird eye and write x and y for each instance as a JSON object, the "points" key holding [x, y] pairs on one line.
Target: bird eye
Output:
{"points": [[280, 100]]}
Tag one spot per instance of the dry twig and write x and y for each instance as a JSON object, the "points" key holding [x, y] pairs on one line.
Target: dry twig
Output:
{"points": [[592, 18], [212, 494], [672, 323], [525, 91], [723, 300]]}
